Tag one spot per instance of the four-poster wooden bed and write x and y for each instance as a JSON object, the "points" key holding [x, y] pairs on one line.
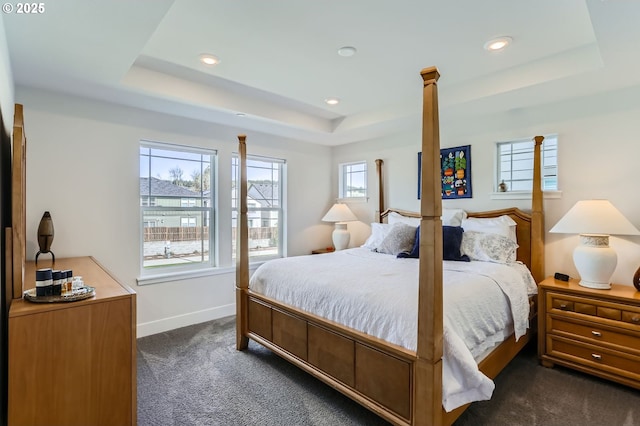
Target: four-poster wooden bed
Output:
{"points": [[400, 385]]}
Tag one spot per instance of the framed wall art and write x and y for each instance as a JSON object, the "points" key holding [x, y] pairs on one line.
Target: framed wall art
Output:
{"points": [[455, 172]]}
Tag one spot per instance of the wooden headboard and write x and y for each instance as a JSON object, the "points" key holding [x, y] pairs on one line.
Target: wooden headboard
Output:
{"points": [[523, 228]]}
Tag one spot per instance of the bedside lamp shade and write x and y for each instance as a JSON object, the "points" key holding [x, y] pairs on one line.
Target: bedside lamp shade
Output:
{"points": [[594, 220], [340, 213]]}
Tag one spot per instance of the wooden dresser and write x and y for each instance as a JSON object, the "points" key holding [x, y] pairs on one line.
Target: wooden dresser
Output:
{"points": [[74, 363], [594, 331]]}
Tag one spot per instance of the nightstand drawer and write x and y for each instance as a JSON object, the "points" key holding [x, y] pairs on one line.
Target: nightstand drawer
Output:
{"points": [[631, 317], [597, 334], [605, 359], [610, 313], [557, 302], [563, 304]]}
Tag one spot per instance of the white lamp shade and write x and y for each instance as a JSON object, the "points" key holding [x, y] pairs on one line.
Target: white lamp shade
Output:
{"points": [[594, 220], [339, 213], [597, 217]]}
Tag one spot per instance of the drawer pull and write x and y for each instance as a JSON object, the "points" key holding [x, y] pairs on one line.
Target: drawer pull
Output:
{"points": [[635, 319], [596, 333], [596, 357], [563, 306]]}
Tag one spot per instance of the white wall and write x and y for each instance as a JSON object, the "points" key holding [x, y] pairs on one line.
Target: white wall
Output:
{"points": [[6, 82], [82, 166], [599, 148]]}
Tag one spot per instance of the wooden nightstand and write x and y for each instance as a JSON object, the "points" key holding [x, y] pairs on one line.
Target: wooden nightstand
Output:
{"points": [[323, 250], [593, 331]]}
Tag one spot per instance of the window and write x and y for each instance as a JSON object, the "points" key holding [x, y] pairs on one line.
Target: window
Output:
{"points": [[353, 180], [515, 164], [176, 207], [265, 206], [188, 222], [187, 202]]}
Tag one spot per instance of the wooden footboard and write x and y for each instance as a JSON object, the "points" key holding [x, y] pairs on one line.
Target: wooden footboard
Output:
{"points": [[374, 373], [367, 369]]}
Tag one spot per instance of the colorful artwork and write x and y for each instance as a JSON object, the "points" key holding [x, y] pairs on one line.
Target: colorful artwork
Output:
{"points": [[455, 172], [455, 169]]}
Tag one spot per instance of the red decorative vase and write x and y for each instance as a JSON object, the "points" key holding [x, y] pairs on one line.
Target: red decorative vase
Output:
{"points": [[636, 280]]}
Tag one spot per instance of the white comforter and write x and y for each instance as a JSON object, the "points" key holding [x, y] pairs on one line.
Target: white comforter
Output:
{"points": [[377, 294]]}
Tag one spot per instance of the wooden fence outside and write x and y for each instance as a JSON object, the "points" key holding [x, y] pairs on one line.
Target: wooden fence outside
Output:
{"points": [[179, 233]]}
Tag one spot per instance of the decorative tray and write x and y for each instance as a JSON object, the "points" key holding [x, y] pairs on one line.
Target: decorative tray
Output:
{"points": [[79, 293]]}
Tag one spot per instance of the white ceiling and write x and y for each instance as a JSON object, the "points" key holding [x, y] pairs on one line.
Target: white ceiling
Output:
{"points": [[279, 58]]}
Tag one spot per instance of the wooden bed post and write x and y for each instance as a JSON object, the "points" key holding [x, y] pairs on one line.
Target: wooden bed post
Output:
{"points": [[379, 163], [242, 251], [427, 398], [537, 216]]}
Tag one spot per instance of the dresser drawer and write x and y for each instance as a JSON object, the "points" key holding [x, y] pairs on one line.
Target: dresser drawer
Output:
{"points": [[593, 356], [620, 339]]}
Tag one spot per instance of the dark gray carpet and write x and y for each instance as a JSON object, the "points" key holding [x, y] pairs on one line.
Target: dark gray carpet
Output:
{"points": [[194, 376]]}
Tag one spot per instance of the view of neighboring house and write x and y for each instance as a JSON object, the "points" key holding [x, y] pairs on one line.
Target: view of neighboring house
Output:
{"points": [[263, 195], [163, 193]]}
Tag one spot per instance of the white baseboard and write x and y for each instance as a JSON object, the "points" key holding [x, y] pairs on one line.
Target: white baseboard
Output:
{"points": [[166, 324]]}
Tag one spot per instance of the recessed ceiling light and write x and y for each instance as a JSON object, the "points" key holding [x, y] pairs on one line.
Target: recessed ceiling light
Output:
{"points": [[498, 44], [208, 59], [347, 51], [332, 101]]}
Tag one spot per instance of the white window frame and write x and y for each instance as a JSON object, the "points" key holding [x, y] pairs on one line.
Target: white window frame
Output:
{"points": [[151, 275], [549, 172], [345, 174], [253, 207]]}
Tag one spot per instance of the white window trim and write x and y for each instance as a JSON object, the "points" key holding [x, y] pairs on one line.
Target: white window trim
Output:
{"points": [[178, 276], [341, 189], [523, 195], [178, 272], [353, 200], [282, 223]]}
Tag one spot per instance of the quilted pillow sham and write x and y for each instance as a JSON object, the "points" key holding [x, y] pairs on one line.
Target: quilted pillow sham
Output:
{"points": [[488, 247]]}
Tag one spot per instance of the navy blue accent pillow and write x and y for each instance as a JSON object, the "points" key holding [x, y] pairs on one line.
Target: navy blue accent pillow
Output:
{"points": [[451, 242]]}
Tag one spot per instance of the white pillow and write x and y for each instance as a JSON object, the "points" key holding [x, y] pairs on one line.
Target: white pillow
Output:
{"points": [[453, 217], [488, 247], [450, 217], [502, 225], [378, 232], [400, 238], [393, 218]]}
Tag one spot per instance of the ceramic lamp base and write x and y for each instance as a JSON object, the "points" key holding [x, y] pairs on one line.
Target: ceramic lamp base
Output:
{"points": [[595, 261], [341, 236]]}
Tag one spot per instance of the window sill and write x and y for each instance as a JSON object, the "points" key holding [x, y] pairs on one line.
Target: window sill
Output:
{"points": [[182, 275], [522, 195], [353, 200]]}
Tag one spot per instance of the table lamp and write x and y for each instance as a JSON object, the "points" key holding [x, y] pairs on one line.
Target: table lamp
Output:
{"points": [[340, 213], [594, 220]]}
